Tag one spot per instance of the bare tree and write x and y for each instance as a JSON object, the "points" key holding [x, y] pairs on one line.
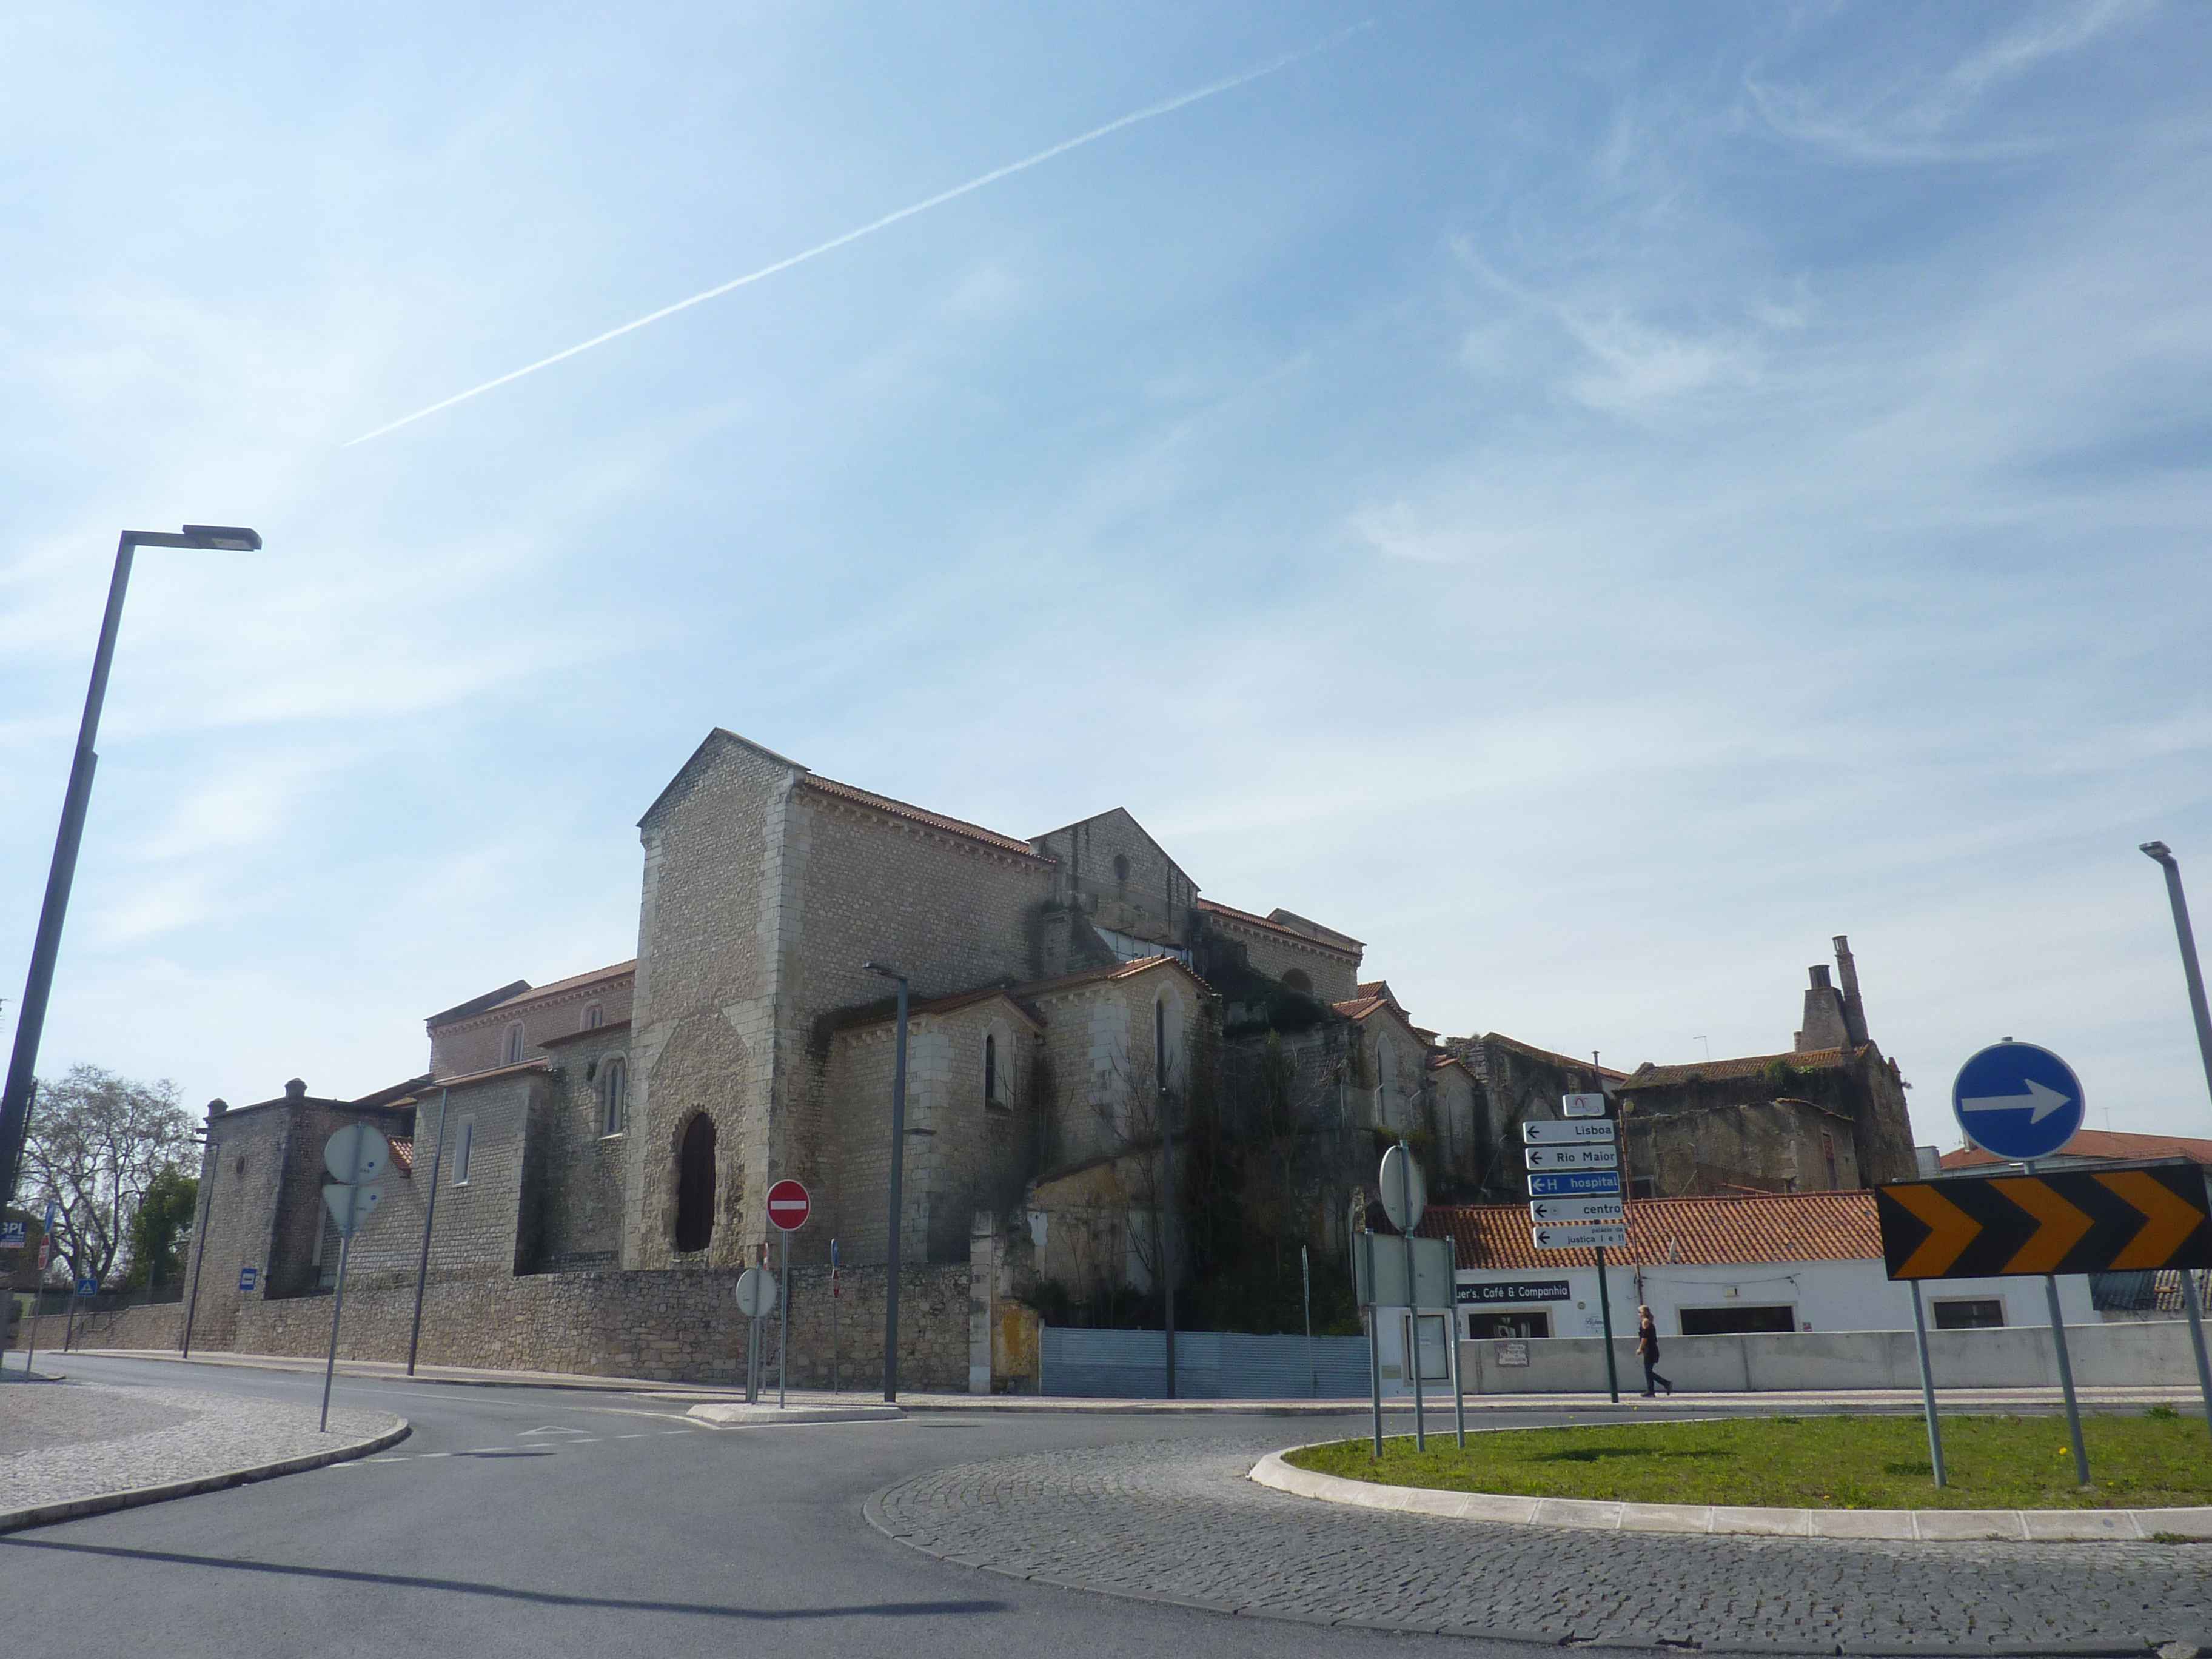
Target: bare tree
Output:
{"points": [[96, 1143]]}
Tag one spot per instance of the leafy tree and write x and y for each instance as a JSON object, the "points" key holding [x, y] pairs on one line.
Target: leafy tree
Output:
{"points": [[96, 1143], [163, 1217]]}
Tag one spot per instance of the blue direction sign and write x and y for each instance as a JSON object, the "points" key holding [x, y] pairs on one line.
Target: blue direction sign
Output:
{"points": [[2017, 1100], [88, 1286], [248, 1278], [1586, 1184]]}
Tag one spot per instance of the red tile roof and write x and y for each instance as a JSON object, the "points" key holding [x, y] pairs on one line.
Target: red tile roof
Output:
{"points": [[539, 993], [1697, 1231], [1648, 1076], [912, 814], [1247, 919], [2099, 1142]]}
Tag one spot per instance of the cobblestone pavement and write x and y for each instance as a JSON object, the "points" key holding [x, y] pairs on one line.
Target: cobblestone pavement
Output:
{"points": [[61, 1442], [1180, 1523]]}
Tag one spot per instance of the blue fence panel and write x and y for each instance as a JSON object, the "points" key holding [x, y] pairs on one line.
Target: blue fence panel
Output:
{"points": [[1209, 1365]]}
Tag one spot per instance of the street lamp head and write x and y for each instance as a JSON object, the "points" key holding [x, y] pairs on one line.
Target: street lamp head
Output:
{"points": [[879, 968], [222, 538], [2158, 850]]}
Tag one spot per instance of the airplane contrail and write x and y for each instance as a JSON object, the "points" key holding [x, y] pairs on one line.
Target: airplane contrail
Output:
{"points": [[1150, 111]]}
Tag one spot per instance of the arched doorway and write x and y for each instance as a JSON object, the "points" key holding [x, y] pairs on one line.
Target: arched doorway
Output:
{"points": [[694, 1185]]}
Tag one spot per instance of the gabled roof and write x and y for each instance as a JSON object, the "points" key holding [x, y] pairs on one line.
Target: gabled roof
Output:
{"points": [[2100, 1143], [1548, 1056], [923, 815], [715, 739], [1120, 970], [1837, 1226], [1648, 1076], [477, 1004], [1128, 817], [394, 1094], [1245, 918], [883, 1010], [528, 994], [1307, 925]]}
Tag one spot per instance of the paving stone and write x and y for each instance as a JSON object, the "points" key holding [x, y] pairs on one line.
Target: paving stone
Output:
{"points": [[1181, 1520]]}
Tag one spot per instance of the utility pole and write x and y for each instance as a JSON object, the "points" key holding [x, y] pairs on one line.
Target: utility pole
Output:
{"points": [[2194, 973], [1167, 1179]]}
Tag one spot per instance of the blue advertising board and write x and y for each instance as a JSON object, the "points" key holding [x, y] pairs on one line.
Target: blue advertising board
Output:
{"points": [[1575, 1183], [2017, 1101], [248, 1277], [13, 1235]]}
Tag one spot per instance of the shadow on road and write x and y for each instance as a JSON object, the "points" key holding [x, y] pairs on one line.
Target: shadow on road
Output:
{"points": [[548, 1598]]}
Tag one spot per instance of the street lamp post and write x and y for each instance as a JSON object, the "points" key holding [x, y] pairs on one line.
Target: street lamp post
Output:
{"points": [[2159, 851], [23, 1063], [898, 1170]]}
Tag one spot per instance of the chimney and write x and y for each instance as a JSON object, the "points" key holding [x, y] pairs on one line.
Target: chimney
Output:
{"points": [[1825, 1026], [1855, 1026], [295, 1090]]}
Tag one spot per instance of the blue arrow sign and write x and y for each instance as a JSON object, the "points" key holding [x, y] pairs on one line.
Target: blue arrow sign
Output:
{"points": [[1588, 1183], [2017, 1100]]}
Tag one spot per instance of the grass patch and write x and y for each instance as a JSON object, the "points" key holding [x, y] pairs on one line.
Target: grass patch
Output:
{"points": [[1818, 1462]]}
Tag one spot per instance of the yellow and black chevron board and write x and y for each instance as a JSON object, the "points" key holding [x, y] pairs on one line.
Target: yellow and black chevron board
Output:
{"points": [[2076, 1221]]}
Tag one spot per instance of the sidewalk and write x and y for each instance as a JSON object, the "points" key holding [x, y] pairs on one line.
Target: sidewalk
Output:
{"points": [[1439, 1409], [73, 1449]]}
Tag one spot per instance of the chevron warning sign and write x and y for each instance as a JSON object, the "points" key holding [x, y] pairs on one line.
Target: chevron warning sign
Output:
{"points": [[2080, 1221]]}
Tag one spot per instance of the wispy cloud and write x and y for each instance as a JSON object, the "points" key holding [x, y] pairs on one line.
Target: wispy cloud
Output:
{"points": [[1149, 112]]}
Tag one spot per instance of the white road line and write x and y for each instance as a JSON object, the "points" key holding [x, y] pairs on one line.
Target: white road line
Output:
{"points": [[675, 1431], [640, 1435], [582, 1440], [426, 1456], [478, 1451]]}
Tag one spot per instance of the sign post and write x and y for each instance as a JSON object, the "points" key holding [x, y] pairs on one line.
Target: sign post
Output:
{"points": [[836, 1294], [357, 1157], [756, 1298], [788, 1207], [1397, 1178], [1927, 1385], [2190, 1302], [1589, 1212]]}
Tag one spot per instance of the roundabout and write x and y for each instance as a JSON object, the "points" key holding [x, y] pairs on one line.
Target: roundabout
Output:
{"points": [[1182, 1522]]}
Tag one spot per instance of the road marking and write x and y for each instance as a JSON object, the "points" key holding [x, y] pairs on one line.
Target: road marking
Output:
{"points": [[586, 1440], [426, 1456], [640, 1435], [478, 1451], [675, 1431]]}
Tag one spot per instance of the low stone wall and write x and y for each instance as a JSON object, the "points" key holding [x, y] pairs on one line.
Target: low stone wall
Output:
{"points": [[2139, 1353], [156, 1326], [674, 1326]]}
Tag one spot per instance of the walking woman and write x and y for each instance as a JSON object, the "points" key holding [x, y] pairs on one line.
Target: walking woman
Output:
{"points": [[1647, 1349]]}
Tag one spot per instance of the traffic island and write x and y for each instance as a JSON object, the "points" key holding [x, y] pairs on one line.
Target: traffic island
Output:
{"points": [[737, 1414], [1824, 1477]]}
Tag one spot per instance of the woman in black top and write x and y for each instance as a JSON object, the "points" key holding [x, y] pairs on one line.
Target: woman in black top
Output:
{"points": [[1647, 1347]]}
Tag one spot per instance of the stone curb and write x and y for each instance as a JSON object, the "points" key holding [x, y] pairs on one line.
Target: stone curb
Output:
{"points": [[1908, 1525], [739, 1415], [72, 1508]]}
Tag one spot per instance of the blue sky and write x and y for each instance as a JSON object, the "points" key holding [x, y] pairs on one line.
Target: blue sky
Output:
{"points": [[1593, 500]]}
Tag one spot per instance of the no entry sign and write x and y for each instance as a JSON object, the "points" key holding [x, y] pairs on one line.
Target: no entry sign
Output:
{"points": [[788, 1205]]}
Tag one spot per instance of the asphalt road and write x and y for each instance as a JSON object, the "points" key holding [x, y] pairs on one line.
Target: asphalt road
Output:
{"points": [[533, 1521]]}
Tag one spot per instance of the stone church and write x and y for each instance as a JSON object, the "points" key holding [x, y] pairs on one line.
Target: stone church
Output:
{"points": [[603, 1144]]}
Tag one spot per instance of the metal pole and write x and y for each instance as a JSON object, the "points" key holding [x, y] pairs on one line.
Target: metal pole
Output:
{"points": [[1412, 1296], [1374, 1355], [1305, 1276], [898, 1159], [31, 1017], [834, 1289], [429, 1220], [1927, 1386], [2187, 939], [1167, 1182], [783, 1332], [2188, 1301], [1459, 1393], [345, 1248], [2066, 1382], [1605, 1316], [31, 1353], [68, 1325], [212, 1168]]}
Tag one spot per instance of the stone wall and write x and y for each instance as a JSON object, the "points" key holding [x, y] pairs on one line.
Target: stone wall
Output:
{"points": [[580, 1163], [158, 1325], [1774, 1146], [1110, 870], [478, 1042], [679, 1326]]}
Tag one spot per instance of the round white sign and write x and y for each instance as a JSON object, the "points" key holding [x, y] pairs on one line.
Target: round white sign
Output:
{"points": [[755, 1292], [1400, 1168], [357, 1140]]}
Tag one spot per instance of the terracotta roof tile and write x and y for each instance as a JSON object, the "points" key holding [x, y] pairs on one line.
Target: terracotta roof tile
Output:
{"points": [[912, 814], [1247, 919], [2099, 1142], [1837, 1226], [1717, 1070]]}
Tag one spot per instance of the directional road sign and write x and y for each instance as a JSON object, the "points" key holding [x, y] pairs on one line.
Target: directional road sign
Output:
{"points": [[788, 1205], [755, 1292], [2080, 1221], [1398, 1166], [1587, 1183], [1582, 1105], [2017, 1100], [1579, 1238], [1541, 1133], [1378, 1271], [1573, 1158], [1577, 1209]]}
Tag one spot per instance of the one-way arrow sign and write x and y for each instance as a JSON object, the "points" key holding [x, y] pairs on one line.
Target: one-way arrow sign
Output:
{"points": [[2017, 1100]]}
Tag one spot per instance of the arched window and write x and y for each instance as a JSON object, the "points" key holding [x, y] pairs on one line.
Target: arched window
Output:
{"points": [[614, 1094], [1299, 981], [511, 1053], [694, 1185], [1121, 871], [594, 1015], [990, 1069]]}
